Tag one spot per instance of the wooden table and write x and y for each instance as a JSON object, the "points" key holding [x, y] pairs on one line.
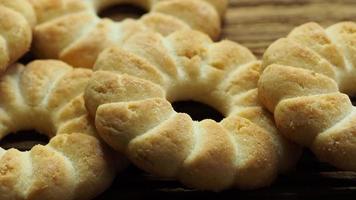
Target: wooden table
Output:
{"points": [[256, 24]]}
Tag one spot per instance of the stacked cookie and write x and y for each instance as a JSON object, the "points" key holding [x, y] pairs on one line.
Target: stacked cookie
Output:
{"points": [[105, 96]]}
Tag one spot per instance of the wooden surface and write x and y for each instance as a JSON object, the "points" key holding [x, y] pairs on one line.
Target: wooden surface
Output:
{"points": [[257, 23]]}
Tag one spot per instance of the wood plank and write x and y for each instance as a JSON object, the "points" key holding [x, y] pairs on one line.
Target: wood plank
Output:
{"points": [[257, 23]]}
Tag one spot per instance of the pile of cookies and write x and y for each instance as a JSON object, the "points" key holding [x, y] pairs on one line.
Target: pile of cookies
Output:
{"points": [[102, 91]]}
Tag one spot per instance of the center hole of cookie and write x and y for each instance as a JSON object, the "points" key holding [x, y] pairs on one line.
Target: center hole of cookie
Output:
{"points": [[122, 11], [23, 140], [353, 100], [197, 111]]}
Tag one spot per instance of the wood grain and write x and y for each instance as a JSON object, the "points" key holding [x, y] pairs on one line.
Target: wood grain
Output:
{"points": [[257, 23]]}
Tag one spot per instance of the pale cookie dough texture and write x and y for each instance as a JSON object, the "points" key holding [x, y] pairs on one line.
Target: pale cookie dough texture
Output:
{"points": [[16, 19], [72, 31], [306, 82], [130, 96], [47, 96]]}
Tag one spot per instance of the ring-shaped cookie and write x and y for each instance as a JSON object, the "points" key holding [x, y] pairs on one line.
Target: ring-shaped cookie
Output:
{"points": [[47, 96], [306, 82], [72, 29], [130, 95], [16, 19]]}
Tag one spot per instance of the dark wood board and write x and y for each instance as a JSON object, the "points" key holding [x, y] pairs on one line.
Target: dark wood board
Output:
{"points": [[257, 23]]}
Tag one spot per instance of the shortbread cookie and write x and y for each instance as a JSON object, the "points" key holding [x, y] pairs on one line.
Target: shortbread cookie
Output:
{"points": [[71, 30], [16, 19], [47, 96], [130, 96], [306, 84]]}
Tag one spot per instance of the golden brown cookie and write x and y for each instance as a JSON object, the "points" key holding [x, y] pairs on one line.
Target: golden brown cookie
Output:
{"points": [[130, 95], [71, 30], [47, 96], [16, 19], [306, 82]]}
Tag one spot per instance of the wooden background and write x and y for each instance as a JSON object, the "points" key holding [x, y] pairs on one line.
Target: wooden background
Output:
{"points": [[256, 24]]}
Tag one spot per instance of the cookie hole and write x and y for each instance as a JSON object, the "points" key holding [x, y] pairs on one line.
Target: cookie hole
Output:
{"points": [[23, 140], [353, 100], [27, 58], [121, 12], [197, 111]]}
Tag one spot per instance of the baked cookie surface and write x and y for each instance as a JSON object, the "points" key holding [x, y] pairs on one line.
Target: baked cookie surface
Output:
{"points": [[306, 82], [71, 29], [16, 19], [130, 96], [47, 96]]}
